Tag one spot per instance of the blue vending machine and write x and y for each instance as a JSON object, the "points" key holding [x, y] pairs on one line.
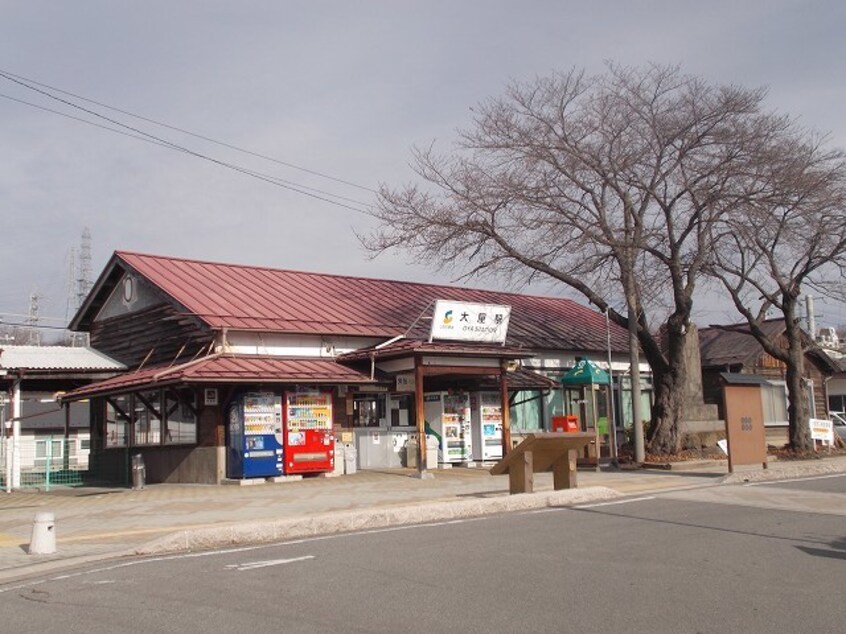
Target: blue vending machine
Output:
{"points": [[255, 447]]}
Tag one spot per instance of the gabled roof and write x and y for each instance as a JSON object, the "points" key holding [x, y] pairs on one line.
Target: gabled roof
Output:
{"points": [[733, 344], [65, 358], [722, 346], [239, 297]]}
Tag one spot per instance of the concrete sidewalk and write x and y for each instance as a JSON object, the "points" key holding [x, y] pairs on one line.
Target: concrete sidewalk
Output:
{"points": [[101, 523]]}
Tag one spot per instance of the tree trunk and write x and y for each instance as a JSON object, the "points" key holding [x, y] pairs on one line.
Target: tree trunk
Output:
{"points": [[669, 371], [799, 431]]}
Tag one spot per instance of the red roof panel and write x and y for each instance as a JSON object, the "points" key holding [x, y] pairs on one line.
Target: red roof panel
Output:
{"points": [[257, 298], [231, 369]]}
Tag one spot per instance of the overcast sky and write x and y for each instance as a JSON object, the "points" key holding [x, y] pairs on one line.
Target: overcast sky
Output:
{"points": [[340, 88]]}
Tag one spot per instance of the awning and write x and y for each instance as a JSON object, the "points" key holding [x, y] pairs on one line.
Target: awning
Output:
{"points": [[228, 368], [586, 373]]}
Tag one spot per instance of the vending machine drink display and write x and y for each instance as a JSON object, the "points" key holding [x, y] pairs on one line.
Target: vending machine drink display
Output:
{"points": [[255, 436], [448, 415], [309, 440], [486, 419]]}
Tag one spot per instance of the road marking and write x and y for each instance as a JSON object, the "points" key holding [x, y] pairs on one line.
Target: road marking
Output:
{"points": [[253, 565], [772, 482], [592, 506]]}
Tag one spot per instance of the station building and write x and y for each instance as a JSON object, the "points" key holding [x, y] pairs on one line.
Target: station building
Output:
{"points": [[221, 354]]}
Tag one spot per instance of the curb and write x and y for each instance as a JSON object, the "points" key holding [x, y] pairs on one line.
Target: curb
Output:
{"points": [[364, 519], [784, 472]]}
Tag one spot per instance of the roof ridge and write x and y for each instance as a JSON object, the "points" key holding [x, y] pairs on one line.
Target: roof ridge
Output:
{"points": [[256, 267]]}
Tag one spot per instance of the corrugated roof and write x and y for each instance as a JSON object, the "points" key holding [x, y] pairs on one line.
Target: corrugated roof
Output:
{"points": [[231, 369], [56, 358], [242, 297]]}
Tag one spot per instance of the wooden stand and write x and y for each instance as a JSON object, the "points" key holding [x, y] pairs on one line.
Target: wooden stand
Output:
{"points": [[557, 451]]}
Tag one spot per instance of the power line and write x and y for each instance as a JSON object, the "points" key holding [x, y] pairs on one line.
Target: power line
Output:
{"points": [[8, 75], [295, 187]]}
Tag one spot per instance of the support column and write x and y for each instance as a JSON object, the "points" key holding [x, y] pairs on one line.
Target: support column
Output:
{"points": [[506, 411], [16, 435], [420, 416]]}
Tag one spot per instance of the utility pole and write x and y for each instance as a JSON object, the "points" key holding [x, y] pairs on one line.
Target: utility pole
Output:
{"points": [[812, 319]]}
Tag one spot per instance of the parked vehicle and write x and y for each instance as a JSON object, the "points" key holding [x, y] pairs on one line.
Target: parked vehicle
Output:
{"points": [[839, 420]]}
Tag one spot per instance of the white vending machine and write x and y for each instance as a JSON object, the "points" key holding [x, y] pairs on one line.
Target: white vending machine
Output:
{"points": [[486, 422], [448, 416]]}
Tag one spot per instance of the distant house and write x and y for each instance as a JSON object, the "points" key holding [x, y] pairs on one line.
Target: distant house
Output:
{"points": [[837, 387], [36, 428], [733, 349]]}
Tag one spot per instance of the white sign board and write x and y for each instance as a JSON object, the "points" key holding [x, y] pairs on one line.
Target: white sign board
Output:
{"points": [[822, 430], [405, 382], [465, 321]]}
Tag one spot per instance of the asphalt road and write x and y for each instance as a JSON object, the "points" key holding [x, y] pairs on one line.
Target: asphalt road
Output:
{"points": [[718, 559]]}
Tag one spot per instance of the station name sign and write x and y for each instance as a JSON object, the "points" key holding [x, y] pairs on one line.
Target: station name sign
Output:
{"points": [[466, 321]]}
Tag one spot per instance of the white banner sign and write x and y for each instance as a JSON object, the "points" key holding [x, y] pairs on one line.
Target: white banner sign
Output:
{"points": [[464, 321], [822, 430]]}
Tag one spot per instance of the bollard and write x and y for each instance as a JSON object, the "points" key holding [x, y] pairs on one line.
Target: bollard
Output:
{"points": [[43, 541]]}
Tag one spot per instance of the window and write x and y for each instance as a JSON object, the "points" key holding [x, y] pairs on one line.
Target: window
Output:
{"points": [[155, 417], [774, 397], [117, 421], [368, 411], [148, 418], [836, 402], [525, 410], [403, 413], [181, 417], [46, 449]]}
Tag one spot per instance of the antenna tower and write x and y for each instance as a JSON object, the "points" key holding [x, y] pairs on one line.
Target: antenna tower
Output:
{"points": [[83, 280], [34, 335]]}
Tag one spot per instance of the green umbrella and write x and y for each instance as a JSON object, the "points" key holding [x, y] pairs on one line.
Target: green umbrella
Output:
{"points": [[586, 373]]}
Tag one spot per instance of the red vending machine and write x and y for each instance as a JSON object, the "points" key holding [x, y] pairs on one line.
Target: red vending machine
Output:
{"points": [[309, 440]]}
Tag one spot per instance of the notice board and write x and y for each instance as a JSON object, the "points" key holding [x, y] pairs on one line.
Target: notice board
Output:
{"points": [[747, 440]]}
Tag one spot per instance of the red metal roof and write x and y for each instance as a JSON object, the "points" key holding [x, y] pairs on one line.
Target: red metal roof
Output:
{"points": [[242, 297], [230, 369], [406, 347]]}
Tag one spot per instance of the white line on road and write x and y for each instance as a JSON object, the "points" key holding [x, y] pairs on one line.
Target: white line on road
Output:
{"points": [[771, 482], [253, 565], [592, 506]]}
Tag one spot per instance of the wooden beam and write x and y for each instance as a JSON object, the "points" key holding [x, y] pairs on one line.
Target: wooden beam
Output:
{"points": [[506, 411], [435, 370]]}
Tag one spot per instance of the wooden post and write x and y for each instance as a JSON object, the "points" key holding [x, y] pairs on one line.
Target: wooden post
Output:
{"points": [[420, 417], [506, 412], [564, 471], [66, 454], [595, 423], [521, 474]]}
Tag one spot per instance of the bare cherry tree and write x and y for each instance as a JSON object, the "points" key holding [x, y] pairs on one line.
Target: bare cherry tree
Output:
{"points": [[608, 184], [788, 234]]}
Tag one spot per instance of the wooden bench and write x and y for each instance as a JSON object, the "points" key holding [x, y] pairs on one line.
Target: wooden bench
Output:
{"points": [[537, 453]]}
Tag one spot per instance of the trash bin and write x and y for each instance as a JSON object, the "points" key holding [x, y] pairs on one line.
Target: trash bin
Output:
{"points": [[431, 452], [338, 467], [411, 453], [139, 472], [350, 459]]}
